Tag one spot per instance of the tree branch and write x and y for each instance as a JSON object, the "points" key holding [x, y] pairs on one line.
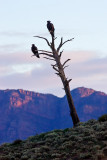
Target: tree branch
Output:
{"points": [[69, 80], [67, 41], [55, 68], [60, 44], [44, 51], [47, 54], [55, 38], [44, 39], [58, 74], [66, 67], [49, 58], [66, 62], [55, 65]]}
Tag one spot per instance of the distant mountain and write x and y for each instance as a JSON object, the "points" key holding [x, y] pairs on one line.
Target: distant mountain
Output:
{"points": [[25, 113], [90, 103]]}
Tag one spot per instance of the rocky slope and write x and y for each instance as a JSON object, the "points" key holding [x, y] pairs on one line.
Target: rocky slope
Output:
{"points": [[25, 113]]}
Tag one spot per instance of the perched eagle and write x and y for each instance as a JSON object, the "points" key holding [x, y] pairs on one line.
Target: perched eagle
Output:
{"points": [[35, 51], [51, 28]]}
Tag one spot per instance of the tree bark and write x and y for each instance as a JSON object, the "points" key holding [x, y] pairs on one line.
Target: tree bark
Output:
{"points": [[73, 112], [65, 82]]}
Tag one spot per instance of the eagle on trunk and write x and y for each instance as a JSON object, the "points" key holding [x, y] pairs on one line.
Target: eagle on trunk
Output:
{"points": [[51, 28]]}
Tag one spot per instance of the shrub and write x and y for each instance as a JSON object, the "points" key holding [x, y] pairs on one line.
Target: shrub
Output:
{"points": [[103, 118], [45, 148], [99, 155], [85, 155], [105, 151], [51, 135], [57, 130], [17, 141], [6, 157], [66, 130], [24, 157], [40, 137], [91, 122], [55, 155]]}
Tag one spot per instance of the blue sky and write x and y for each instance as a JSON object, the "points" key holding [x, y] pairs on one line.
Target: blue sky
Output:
{"points": [[21, 20]]}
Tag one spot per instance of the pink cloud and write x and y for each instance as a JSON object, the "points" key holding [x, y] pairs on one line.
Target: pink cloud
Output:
{"points": [[86, 68]]}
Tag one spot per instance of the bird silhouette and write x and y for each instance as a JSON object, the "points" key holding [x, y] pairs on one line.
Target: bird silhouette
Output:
{"points": [[51, 28], [34, 49]]}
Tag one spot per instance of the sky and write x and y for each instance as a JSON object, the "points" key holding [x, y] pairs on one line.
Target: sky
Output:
{"points": [[82, 19]]}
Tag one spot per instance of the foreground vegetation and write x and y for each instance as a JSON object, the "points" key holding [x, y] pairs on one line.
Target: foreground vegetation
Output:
{"points": [[86, 141]]}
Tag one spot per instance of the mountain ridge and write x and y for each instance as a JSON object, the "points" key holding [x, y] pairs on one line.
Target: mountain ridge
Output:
{"points": [[80, 89], [24, 113]]}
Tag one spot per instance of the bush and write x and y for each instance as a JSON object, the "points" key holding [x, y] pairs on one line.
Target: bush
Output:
{"points": [[91, 122], [103, 118], [66, 130], [24, 157], [85, 155], [17, 141], [40, 137], [105, 151], [5, 158]]}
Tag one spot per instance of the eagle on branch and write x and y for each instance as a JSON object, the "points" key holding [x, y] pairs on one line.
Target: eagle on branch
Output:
{"points": [[35, 51]]}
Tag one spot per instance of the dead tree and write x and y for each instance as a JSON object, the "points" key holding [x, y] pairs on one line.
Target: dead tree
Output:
{"points": [[55, 55]]}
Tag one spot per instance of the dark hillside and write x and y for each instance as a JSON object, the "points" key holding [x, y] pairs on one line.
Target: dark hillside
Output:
{"points": [[87, 141]]}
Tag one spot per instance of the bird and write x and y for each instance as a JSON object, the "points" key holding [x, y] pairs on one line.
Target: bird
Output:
{"points": [[34, 49], [51, 28]]}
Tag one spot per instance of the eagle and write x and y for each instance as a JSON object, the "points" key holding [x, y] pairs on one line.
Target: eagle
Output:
{"points": [[34, 49], [51, 28]]}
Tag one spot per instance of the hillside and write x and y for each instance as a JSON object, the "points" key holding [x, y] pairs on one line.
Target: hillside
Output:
{"points": [[25, 113], [87, 141]]}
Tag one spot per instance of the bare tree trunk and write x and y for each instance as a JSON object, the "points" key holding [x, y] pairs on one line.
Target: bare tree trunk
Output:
{"points": [[65, 82], [59, 68], [73, 112]]}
